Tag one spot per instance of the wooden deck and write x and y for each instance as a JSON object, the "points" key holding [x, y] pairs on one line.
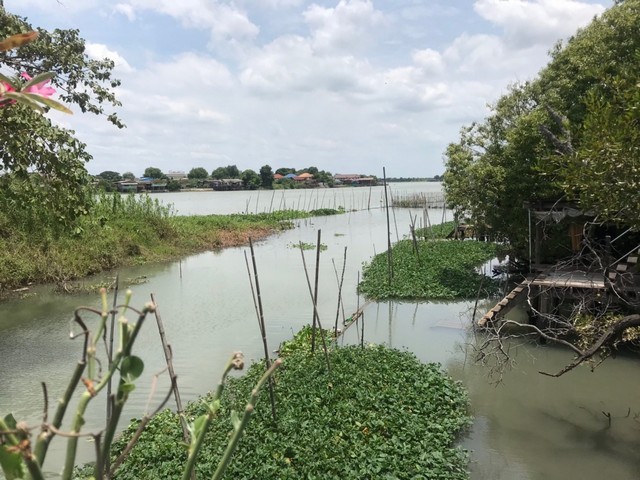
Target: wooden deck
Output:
{"points": [[568, 280]]}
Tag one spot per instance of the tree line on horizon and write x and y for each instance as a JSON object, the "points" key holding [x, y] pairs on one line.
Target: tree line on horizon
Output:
{"points": [[198, 176]]}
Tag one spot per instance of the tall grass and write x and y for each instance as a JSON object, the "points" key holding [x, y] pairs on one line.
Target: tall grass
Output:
{"points": [[124, 230]]}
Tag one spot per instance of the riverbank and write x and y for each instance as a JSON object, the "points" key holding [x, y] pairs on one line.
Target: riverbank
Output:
{"points": [[124, 231]]}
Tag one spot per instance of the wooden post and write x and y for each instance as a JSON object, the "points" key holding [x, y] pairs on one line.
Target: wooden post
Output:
{"points": [[168, 355], [389, 253], [315, 295]]}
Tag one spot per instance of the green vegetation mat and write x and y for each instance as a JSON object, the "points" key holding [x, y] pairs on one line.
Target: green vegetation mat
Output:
{"points": [[442, 269], [380, 413]]}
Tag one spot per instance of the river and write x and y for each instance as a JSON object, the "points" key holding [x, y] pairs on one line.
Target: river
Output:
{"points": [[527, 427]]}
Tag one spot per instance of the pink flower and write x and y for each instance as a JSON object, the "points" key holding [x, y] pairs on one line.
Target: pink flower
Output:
{"points": [[38, 88]]}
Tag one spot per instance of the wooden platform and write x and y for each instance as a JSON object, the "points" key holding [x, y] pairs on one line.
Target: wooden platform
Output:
{"points": [[551, 279], [507, 303]]}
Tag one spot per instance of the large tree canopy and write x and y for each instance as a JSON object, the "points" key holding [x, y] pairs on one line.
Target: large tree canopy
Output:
{"points": [[570, 133], [43, 165]]}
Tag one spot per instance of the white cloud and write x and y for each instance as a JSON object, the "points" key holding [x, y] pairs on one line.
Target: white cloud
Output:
{"points": [[225, 21], [528, 22], [99, 51], [345, 27], [126, 10]]}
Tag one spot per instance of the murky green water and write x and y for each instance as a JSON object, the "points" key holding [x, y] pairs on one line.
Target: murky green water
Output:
{"points": [[529, 427]]}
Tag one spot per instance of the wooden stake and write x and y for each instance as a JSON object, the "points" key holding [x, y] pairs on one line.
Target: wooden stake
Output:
{"points": [[263, 330], [315, 295], [389, 253], [168, 355]]}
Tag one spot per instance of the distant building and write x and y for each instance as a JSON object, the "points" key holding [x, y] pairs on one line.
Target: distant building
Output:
{"points": [[226, 184], [176, 175]]}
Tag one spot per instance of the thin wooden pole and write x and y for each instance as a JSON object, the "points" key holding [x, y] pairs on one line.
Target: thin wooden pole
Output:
{"points": [[340, 282], [110, 345], [315, 292], [315, 307], [263, 330], [389, 253], [168, 355]]}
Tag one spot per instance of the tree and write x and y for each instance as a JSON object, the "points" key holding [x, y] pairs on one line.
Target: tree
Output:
{"points": [[128, 176], [266, 176], [572, 133], [153, 172], [230, 171], [197, 173], [285, 171], [45, 181], [110, 176], [250, 179]]}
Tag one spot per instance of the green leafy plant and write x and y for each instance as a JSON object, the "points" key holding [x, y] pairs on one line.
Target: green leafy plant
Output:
{"points": [[440, 269], [380, 413], [307, 246]]}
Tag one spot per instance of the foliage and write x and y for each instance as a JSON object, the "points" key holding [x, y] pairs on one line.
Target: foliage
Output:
{"points": [[307, 246], [301, 341], [123, 230], [197, 173], [45, 180], [441, 270], [128, 176], [110, 176], [285, 171], [250, 179], [266, 176], [604, 173], [440, 230], [571, 132], [230, 171], [153, 172], [380, 413]]}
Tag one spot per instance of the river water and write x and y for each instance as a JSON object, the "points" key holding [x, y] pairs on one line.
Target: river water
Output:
{"points": [[527, 427]]}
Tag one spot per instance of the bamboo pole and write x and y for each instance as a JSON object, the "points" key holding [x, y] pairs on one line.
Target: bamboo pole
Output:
{"points": [[263, 330], [315, 294], [168, 355], [340, 282], [315, 308], [389, 253]]}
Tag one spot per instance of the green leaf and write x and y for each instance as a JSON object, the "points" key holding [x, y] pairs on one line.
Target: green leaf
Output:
{"points": [[11, 464], [49, 102], [22, 98], [131, 367], [11, 421]]}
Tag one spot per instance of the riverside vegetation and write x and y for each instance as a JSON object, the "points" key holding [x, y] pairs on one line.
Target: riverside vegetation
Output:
{"points": [[430, 268], [378, 413], [124, 230]]}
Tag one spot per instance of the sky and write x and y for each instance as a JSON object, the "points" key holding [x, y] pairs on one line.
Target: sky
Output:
{"points": [[348, 86]]}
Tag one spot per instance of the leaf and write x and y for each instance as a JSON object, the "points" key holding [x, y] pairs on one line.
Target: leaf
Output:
{"points": [[15, 41], [22, 98], [11, 464], [131, 367], [49, 102], [11, 421], [6, 79]]}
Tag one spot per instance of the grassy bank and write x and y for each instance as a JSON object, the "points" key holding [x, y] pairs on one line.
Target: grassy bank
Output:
{"points": [[125, 230], [438, 269], [379, 413]]}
